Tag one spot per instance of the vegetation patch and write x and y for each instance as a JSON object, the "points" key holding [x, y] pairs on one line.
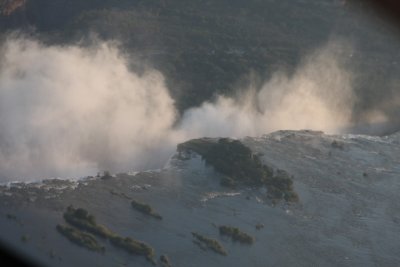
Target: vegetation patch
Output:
{"points": [[81, 219], [106, 175], [209, 243], [259, 226], [165, 262], [228, 182], [145, 208], [241, 167], [236, 234], [25, 238], [11, 216], [80, 238], [134, 247], [121, 195], [337, 145]]}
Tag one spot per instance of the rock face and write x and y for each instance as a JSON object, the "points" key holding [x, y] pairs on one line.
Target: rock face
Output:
{"points": [[347, 214]]}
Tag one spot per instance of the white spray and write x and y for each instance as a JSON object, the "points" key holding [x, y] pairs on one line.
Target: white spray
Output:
{"points": [[68, 111]]}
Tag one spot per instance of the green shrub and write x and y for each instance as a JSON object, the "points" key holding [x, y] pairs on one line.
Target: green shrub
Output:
{"points": [[236, 234], [81, 219], [210, 243], [11, 216], [241, 167], [133, 246], [228, 182], [145, 208], [24, 238], [259, 226], [80, 238], [106, 175], [165, 262]]}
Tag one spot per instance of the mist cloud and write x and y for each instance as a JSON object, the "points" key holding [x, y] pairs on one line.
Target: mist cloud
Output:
{"points": [[70, 111], [318, 95]]}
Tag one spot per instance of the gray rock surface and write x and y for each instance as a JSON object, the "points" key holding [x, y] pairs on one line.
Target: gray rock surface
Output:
{"points": [[348, 214]]}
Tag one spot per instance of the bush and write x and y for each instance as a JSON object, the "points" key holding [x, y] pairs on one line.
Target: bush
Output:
{"points": [[145, 208], [81, 219], [165, 262], [106, 175], [80, 238], [134, 247], [210, 243], [259, 226], [241, 167], [228, 182], [235, 234]]}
